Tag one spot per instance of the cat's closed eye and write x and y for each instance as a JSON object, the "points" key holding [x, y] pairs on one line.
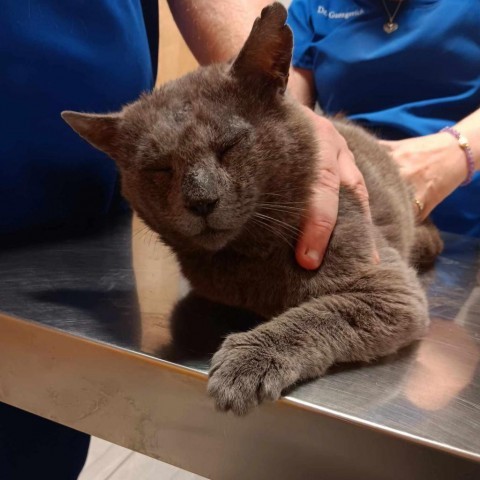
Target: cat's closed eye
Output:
{"points": [[229, 144], [225, 149]]}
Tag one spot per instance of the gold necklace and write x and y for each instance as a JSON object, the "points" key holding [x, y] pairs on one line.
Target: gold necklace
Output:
{"points": [[390, 26]]}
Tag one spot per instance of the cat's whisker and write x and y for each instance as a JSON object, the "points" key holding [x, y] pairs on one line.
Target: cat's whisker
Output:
{"points": [[281, 223], [288, 188], [282, 208], [157, 242], [284, 192], [140, 231], [281, 195], [286, 204], [277, 235], [150, 238], [282, 202], [273, 230], [281, 231], [266, 226], [144, 235]]}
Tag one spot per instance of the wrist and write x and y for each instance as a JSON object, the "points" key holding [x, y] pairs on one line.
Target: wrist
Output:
{"points": [[464, 145]]}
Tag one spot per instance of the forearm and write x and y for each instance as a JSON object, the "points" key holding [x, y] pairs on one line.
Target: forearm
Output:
{"points": [[470, 127], [215, 31], [301, 86]]}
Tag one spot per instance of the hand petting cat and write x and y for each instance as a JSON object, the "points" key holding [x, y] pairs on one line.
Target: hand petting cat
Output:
{"points": [[336, 167], [435, 165]]}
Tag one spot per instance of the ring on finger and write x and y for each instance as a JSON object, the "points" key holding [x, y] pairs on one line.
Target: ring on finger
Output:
{"points": [[419, 205]]}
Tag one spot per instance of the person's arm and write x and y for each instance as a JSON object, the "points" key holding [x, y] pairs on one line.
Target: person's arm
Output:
{"points": [[435, 165], [215, 32]]}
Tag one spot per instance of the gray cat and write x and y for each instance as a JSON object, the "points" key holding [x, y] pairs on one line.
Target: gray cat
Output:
{"points": [[221, 164]]}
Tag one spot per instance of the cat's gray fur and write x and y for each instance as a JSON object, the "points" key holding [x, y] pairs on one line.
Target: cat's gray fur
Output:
{"points": [[221, 164]]}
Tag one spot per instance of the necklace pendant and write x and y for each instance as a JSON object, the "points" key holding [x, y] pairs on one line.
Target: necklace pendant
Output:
{"points": [[390, 27]]}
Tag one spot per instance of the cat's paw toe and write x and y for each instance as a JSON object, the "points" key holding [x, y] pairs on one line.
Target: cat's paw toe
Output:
{"points": [[271, 386], [243, 375], [237, 396]]}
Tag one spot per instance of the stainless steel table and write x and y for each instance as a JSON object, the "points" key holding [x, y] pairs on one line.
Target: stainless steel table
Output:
{"points": [[92, 336]]}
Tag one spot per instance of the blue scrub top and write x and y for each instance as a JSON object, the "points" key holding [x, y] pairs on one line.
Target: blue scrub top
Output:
{"points": [[57, 55], [413, 82]]}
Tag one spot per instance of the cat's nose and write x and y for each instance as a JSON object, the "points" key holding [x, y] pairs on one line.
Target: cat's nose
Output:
{"points": [[203, 207]]}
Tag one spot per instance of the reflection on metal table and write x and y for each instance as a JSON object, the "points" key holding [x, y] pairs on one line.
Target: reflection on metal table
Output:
{"points": [[92, 336]]}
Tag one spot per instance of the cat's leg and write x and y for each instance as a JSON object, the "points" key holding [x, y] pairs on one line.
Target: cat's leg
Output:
{"points": [[384, 310], [427, 245]]}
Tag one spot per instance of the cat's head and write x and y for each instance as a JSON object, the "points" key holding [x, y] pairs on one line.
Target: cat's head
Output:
{"points": [[196, 155]]}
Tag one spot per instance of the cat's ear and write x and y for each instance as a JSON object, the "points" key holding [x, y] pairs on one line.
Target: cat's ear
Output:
{"points": [[102, 131], [267, 53]]}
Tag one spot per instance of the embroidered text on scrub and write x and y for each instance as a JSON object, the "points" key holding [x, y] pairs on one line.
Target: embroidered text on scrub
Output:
{"points": [[339, 15]]}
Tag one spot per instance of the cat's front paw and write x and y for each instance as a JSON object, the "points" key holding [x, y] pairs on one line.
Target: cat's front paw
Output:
{"points": [[244, 372]]}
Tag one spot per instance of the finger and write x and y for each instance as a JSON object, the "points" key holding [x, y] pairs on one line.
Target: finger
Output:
{"points": [[321, 219], [421, 206]]}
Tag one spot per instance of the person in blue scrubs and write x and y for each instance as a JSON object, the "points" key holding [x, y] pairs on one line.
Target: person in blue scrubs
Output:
{"points": [[404, 69], [56, 55]]}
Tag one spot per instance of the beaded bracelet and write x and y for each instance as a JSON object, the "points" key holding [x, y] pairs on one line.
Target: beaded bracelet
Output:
{"points": [[464, 145]]}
